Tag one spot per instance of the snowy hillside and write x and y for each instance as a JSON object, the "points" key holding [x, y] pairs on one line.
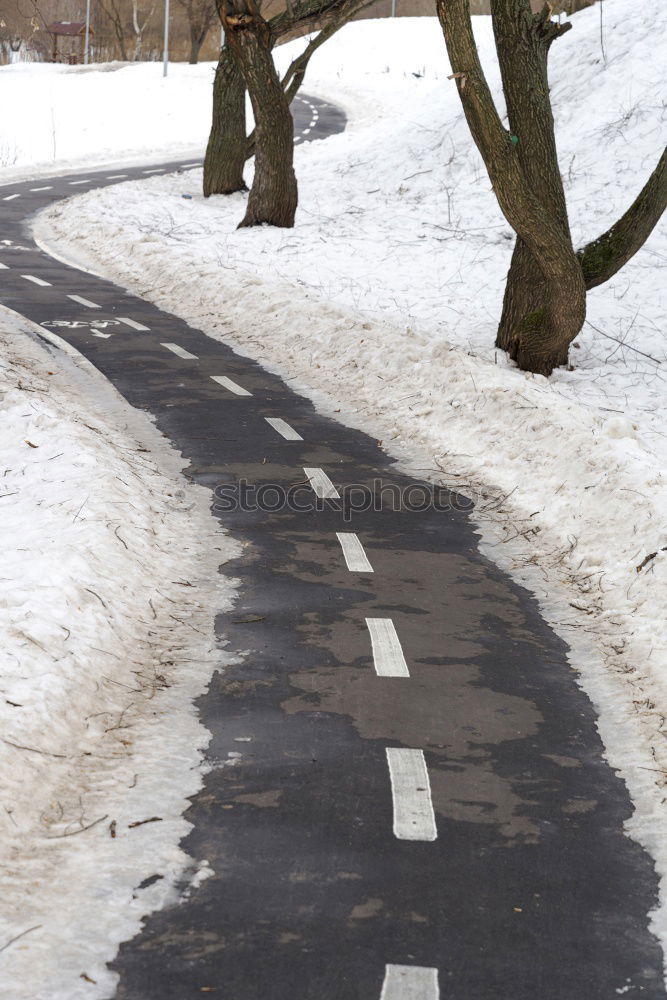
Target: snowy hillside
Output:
{"points": [[398, 260]]}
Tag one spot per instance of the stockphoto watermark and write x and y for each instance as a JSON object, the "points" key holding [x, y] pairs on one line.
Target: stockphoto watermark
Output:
{"points": [[355, 498]]}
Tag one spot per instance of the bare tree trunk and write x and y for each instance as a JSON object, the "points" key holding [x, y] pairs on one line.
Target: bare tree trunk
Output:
{"points": [[523, 41], [196, 42], [273, 195], [539, 337], [226, 152]]}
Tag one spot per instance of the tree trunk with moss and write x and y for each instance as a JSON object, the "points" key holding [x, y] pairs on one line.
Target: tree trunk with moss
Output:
{"points": [[273, 195], [226, 152], [545, 297]]}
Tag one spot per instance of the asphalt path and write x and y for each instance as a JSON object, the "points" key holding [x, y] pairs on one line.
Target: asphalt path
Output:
{"points": [[408, 797]]}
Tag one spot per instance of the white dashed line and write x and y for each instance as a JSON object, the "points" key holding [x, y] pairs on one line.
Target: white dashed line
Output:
{"points": [[48, 188], [186, 165], [115, 177], [411, 793], [306, 131], [36, 281], [133, 323], [283, 428], [10, 197], [84, 302], [311, 124], [297, 138], [181, 352], [154, 170], [232, 386], [410, 982], [388, 656], [86, 180], [322, 485], [353, 550], [4, 267]]}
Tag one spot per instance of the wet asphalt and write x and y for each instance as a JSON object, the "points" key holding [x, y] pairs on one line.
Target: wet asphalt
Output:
{"points": [[531, 890]]}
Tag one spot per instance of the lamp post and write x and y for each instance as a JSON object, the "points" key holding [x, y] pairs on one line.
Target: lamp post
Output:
{"points": [[166, 38], [86, 44]]}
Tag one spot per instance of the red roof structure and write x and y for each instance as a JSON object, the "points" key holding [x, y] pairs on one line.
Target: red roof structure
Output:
{"points": [[72, 28], [68, 29]]}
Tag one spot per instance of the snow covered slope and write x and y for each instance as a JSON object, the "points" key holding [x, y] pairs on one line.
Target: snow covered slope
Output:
{"points": [[382, 305], [108, 557]]}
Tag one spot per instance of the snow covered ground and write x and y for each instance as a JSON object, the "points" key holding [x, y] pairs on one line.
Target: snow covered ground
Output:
{"points": [[55, 115], [382, 305], [109, 561]]}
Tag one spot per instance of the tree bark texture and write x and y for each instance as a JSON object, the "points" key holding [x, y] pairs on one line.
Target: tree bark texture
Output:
{"points": [[540, 335], [273, 196], [601, 259], [226, 151], [523, 40]]}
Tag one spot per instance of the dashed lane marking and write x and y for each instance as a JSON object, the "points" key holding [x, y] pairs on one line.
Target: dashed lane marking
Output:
{"points": [[186, 165], [306, 131], [10, 197], [133, 323], [411, 794], [388, 656], [410, 982], [37, 281], [154, 170], [86, 180], [234, 387], [49, 187], [353, 550], [4, 267], [115, 177], [283, 428], [84, 302], [322, 485], [181, 352]]}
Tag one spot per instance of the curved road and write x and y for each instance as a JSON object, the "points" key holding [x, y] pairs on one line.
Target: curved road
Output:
{"points": [[418, 805]]}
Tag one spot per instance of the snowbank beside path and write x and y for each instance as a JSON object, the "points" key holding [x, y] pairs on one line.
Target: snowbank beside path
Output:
{"points": [[382, 305], [107, 600]]}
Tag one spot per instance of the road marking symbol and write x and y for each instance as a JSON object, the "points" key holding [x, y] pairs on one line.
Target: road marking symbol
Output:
{"points": [[181, 352], [322, 485], [133, 323], [411, 793], [36, 281], [353, 550], [283, 428], [410, 982], [387, 652], [84, 302], [232, 386]]}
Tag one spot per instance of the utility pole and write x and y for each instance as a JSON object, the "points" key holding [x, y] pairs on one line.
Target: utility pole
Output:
{"points": [[86, 44], [166, 38]]}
